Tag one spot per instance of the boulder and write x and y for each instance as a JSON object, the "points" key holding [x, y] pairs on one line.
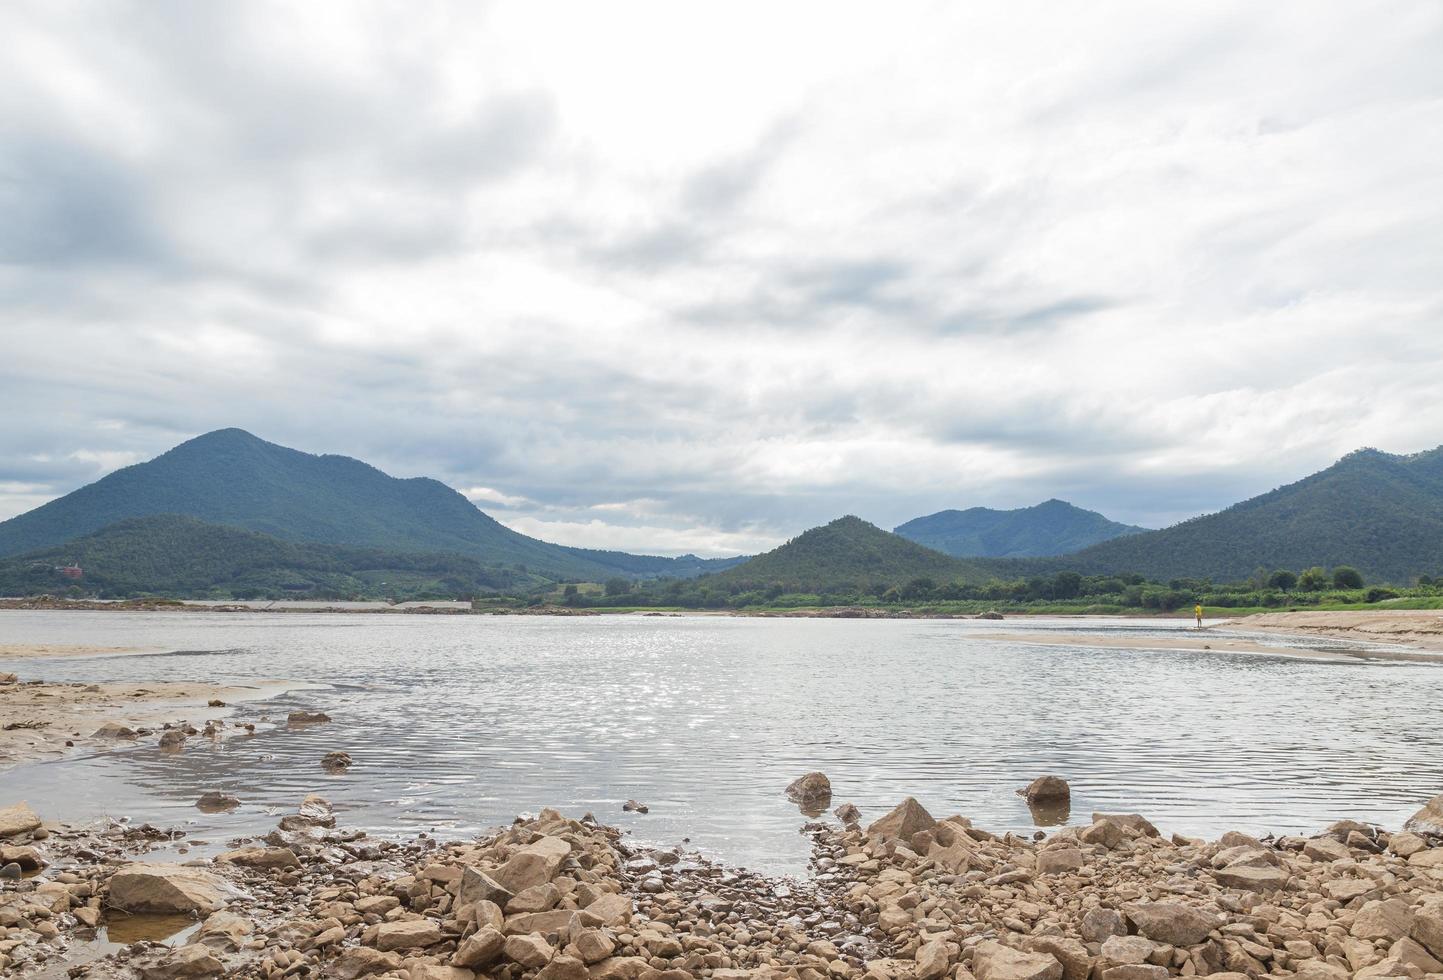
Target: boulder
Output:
{"points": [[1327, 849], [906, 819], [610, 910], [1046, 791], [480, 949], [592, 945], [1122, 950], [261, 857], [1100, 923], [362, 961], [1103, 833], [535, 864], [1406, 844], [1055, 860], [531, 952], [537, 898], [1428, 925], [931, 960], [993, 961], [1252, 879], [1428, 820], [224, 930], [563, 967], [478, 886], [187, 961], [18, 819], [168, 888], [403, 934], [217, 802], [113, 729], [1076, 963], [811, 788], [1390, 920], [1132, 821], [1172, 923], [848, 814]]}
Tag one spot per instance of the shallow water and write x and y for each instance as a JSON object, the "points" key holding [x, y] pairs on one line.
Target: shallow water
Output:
{"points": [[457, 723]]}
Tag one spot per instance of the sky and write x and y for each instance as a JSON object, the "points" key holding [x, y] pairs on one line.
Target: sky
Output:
{"points": [[676, 277]]}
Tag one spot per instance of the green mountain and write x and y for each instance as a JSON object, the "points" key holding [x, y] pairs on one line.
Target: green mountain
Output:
{"points": [[1380, 513], [232, 478], [848, 554], [1053, 527], [182, 557]]}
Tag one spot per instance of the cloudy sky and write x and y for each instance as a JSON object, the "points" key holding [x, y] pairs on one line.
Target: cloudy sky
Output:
{"points": [[693, 277]]}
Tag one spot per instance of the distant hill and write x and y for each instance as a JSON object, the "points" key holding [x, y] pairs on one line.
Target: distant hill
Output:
{"points": [[182, 557], [849, 552], [1053, 527], [232, 478], [1382, 514]]}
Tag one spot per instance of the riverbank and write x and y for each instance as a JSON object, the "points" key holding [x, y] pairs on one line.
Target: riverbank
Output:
{"points": [[909, 897], [44, 720], [1413, 627]]}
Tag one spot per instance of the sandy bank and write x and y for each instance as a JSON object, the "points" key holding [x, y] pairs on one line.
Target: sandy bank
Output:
{"points": [[45, 720], [48, 651], [1214, 639], [1422, 628]]}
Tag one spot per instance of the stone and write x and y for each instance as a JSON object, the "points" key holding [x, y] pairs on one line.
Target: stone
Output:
{"points": [[224, 930], [1428, 820], [592, 945], [620, 968], [1326, 849], [173, 740], [1428, 925], [632, 806], [168, 888], [1390, 920], [565, 967], [535, 864], [11, 871], [336, 762], [537, 898], [1127, 949], [993, 961], [1047, 790], [113, 729], [1406, 844], [1099, 923], [531, 951], [307, 718], [610, 910], [1431, 858], [1103, 833], [931, 960], [261, 857], [187, 961], [478, 886], [362, 961], [1055, 860], [1172, 923], [480, 949], [24, 858], [216, 802], [1135, 971], [1132, 821], [1253, 879], [905, 819], [1076, 963], [810, 788], [436, 971], [403, 934], [848, 814], [18, 819]]}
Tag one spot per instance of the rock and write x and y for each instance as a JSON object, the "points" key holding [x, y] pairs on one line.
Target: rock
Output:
{"points": [[17, 819], [25, 858], [564, 967], [480, 949], [810, 788], [537, 898], [168, 888], [1172, 923], [188, 961], [1135, 971], [11, 871], [1431, 858], [931, 960], [848, 814], [1390, 920], [610, 910], [990, 614], [261, 857], [1055, 860], [224, 930], [217, 802], [535, 864], [336, 762], [477, 886], [1428, 820], [906, 819], [1326, 849], [1103, 833], [993, 961], [1076, 963], [361, 961], [1045, 790], [215, 703], [436, 971], [1253, 879], [1132, 821], [1406, 844], [173, 740], [1428, 925], [1127, 949], [403, 934], [1100, 923], [632, 806], [307, 718], [113, 729], [593, 945], [531, 951]]}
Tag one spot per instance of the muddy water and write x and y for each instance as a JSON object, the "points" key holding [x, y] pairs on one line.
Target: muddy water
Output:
{"points": [[457, 723]]}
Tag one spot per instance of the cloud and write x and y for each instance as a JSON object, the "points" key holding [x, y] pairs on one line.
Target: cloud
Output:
{"points": [[633, 295]]}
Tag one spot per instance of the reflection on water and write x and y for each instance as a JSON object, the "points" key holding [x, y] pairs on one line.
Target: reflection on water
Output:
{"points": [[1051, 814], [122, 929], [459, 722]]}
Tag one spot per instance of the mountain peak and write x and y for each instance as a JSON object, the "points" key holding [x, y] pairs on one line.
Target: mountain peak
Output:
{"points": [[1053, 527]]}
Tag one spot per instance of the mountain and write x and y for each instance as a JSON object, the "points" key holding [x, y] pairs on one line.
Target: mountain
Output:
{"points": [[182, 557], [232, 478], [1382, 514], [849, 552], [1053, 527]]}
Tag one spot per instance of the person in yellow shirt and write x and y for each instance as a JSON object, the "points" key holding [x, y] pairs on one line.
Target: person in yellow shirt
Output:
{"points": [[1197, 611]]}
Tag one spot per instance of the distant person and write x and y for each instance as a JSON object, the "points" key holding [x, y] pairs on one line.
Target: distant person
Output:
{"points": [[1197, 611]]}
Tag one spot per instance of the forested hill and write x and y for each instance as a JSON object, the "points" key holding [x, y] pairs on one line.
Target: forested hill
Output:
{"points": [[182, 557], [1053, 527], [1380, 513], [848, 553], [232, 478]]}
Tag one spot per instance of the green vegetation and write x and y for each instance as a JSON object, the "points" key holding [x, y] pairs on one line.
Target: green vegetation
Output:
{"points": [[1053, 527], [1379, 513], [232, 478], [181, 557]]}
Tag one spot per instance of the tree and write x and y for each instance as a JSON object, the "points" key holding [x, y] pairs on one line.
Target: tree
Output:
{"points": [[1066, 585], [617, 586], [1347, 577], [1314, 579], [1282, 579]]}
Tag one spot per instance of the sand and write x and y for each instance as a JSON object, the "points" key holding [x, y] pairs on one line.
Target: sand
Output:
{"points": [[72, 712], [47, 651], [1419, 628]]}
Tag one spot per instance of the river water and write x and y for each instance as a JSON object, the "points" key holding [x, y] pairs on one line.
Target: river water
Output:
{"points": [[458, 723]]}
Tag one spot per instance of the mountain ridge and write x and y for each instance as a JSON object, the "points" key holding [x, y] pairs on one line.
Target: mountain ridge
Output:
{"points": [[1053, 527]]}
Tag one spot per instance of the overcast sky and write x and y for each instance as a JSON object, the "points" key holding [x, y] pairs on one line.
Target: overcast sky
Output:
{"points": [[680, 277]]}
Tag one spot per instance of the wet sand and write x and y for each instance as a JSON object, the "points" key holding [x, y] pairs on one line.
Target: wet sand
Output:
{"points": [[46, 720], [1420, 628], [48, 651]]}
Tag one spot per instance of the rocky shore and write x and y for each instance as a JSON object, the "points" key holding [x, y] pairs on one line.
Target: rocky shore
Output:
{"points": [[557, 898]]}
